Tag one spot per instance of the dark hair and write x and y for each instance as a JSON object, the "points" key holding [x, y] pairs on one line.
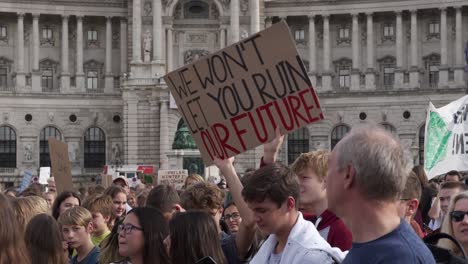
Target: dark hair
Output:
{"points": [[412, 188], [194, 236], [110, 245], [154, 228], [44, 250], [421, 173], [454, 185], [12, 247], [202, 196], [60, 198], [452, 173], [274, 181], [163, 198]]}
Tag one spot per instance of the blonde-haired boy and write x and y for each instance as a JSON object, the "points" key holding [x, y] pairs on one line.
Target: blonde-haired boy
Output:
{"points": [[77, 226], [100, 207]]}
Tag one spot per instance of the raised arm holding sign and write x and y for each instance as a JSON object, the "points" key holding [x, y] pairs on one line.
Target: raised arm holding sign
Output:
{"points": [[234, 99]]}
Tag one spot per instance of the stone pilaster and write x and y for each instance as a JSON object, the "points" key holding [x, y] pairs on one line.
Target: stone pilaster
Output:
{"points": [[132, 131], [326, 73], [136, 38], [443, 69], [399, 50], [109, 77], [414, 71], [355, 73], [459, 65], [254, 16], [169, 51], [80, 80], [36, 74], [222, 37], [65, 74], [234, 29], [370, 72], [20, 74], [163, 133], [312, 51], [123, 45]]}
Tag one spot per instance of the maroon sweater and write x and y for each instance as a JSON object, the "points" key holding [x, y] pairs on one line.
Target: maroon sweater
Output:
{"points": [[332, 229]]}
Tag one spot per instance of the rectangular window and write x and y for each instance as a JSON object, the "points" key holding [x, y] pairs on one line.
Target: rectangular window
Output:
{"points": [[3, 31], [299, 34], [92, 80], [47, 33], [388, 30], [47, 79], [434, 28], [433, 75], [345, 78], [389, 77], [344, 33], [92, 35], [3, 78]]}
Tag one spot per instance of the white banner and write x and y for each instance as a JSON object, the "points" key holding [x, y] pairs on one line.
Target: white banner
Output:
{"points": [[446, 139]]}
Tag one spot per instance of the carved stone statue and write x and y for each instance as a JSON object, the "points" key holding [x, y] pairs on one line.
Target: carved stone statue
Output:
{"points": [[244, 34], [116, 152], [28, 152], [147, 44]]}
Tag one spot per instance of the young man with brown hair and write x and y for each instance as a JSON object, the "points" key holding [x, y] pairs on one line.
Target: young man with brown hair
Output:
{"points": [[409, 202], [272, 193], [166, 199]]}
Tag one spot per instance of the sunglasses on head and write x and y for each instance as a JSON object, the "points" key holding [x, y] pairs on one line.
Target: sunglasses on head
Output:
{"points": [[458, 216]]}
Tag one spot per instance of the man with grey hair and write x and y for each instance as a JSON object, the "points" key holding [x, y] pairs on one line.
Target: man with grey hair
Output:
{"points": [[367, 171]]}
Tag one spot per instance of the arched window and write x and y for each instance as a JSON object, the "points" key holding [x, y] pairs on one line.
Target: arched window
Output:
{"points": [[46, 133], [389, 128], [7, 147], [94, 148], [337, 134], [422, 132], [298, 142]]}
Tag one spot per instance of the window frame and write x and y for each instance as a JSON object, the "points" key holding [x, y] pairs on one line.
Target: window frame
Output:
{"points": [[8, 147], [46, 133], [298, 142], [94, 148], [337, 134]]}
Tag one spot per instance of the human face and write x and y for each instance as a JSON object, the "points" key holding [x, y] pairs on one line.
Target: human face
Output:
{"points": [[334, 182], [234, 218], [131, 244], [119, 201], [445, 196], [76, 236], [131, 201], [268, 216], [312, 188], [68, 203], [50, 198], [100, 223], [460, 229]]}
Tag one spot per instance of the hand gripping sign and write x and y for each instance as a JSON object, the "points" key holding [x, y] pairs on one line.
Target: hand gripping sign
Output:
{"points": [[234, 99]]}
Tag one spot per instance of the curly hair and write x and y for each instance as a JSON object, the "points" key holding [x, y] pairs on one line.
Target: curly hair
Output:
{"points": [[202, 196]]}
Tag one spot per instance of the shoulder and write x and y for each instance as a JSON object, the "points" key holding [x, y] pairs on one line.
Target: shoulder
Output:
{"points": [[316, 256]]}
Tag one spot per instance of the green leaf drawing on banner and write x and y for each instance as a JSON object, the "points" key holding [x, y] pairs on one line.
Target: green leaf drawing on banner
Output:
{"points": [[437, 140]]}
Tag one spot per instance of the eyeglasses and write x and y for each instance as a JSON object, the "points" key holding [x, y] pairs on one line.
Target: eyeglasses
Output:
{"points": [[233, 216], [128, 228], [458, 216]]}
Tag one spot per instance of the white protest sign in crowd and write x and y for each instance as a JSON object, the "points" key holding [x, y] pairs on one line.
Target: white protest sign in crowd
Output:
{"points": [[175, 178], [446, 139]]}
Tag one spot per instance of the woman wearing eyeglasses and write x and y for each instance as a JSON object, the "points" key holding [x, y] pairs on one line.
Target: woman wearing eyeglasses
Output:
{"points": [[141, 237], [456, 223], [232, 218]]}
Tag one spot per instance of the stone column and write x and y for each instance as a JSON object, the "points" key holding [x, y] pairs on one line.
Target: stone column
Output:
{"points": [[80, 80], [136, 38], [36, 74], [399, 51], [312, 51], [268, 21], [170, 55], [163, 134], [234, 30], [326, 73], [459, 64], [132, 131], [443, 69], [65, 75], [123, 45], [355, 72], [222, 37], [414, 71], [157, 32], [370, 72], [20, 74], [254, 16], [109, 77]]}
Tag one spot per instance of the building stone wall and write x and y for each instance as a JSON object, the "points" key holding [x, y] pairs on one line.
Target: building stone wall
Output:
{"points": [[380, 72]]}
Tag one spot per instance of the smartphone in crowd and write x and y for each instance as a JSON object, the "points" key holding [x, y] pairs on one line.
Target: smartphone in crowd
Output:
{"points": [[206, 260]]}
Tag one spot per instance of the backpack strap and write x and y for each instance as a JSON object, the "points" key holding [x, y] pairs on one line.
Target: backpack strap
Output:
{"points": [[434, 238]]}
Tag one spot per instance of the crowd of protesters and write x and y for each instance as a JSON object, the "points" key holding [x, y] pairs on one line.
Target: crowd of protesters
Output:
{"points": [[359, 203]]}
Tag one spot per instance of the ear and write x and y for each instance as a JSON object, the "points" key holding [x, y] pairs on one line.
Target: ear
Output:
{"points": [[220, 210], [178, 208], [412, 207], [291, 203], [90, 228], [349, 177], [107, 219]]}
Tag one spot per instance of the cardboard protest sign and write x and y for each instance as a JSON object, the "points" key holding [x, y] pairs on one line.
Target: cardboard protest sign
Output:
{"points": [[44, 175], [174, 178], [60, 163], [234, 99], [446, 139]]}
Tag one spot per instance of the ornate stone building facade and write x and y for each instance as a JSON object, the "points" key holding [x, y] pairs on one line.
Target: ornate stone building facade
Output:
{"points": [[89, 72]]}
